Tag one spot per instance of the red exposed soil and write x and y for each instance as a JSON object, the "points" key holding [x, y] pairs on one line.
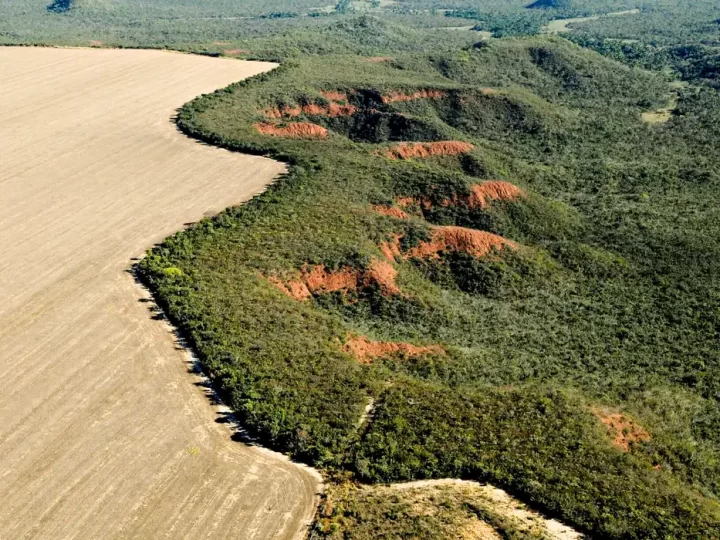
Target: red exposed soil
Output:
{"points": [[302, 130], [365, 350], [480, 196], [318, 280], [395, 97], [471, 241], [391, 248], [623, 429], [236, 52], [334, 95], [285, 111], [96, 43], [422, 150], [406, 201], [380, 59], [383, 274], [295, 289], [494, 190], [392, 211], [332, 109]]}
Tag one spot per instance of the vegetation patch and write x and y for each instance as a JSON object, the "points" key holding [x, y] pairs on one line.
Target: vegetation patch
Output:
{"points": [[596, 284], [395, 97]]}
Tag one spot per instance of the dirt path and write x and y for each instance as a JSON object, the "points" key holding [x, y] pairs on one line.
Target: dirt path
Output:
{"points": [[102, 432]]}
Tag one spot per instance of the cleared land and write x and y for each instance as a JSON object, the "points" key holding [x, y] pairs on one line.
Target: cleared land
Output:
{"points": [[102, 432], [560, 26]]}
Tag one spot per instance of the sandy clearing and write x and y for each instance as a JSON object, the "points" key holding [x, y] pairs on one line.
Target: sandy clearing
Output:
{"points": [[102, 432], [500, 502]]}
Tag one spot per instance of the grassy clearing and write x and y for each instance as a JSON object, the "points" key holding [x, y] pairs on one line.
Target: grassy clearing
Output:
{"points": [[607, 301], [430, 510]]}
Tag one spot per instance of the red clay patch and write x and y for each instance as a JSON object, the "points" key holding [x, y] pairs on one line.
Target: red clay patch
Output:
{"points": [[332, 109], [334, 95], [365, 350], [423, 150], [395, 97], [383, 274], [406, 201], [96, 43], [471, 241], [392, 211], [481, 195], [623, 429], [494, 190], [295, 289], [391, 248], [318, 280], [298, 130]]}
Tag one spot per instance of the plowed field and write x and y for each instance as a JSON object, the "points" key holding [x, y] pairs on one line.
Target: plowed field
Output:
{"points": [[104, 432]]}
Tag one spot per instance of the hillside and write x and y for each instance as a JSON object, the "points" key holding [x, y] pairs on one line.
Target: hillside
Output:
{"points": [[491, 248]]}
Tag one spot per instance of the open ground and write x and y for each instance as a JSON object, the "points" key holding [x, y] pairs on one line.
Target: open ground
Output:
{"points": [[102, 432]]}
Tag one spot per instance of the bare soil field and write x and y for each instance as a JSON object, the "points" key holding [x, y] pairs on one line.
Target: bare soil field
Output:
{"points": [[104, 432]]}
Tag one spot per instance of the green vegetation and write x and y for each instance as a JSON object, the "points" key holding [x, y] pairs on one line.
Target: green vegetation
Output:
{"points": [[611, 300]]}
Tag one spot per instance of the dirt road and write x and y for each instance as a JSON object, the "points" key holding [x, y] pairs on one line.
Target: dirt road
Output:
{"points": [[103, 433]]}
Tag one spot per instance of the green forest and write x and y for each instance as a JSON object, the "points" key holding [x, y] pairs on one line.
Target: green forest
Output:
{"points": [[506, 248]]}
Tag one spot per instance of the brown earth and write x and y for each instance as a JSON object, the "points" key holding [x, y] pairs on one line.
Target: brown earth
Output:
{"points": [[103, 431], [623, 430], [423, 150], [394, 97], [318, 279], [297, 130], [382, 274], [391, 211], [334, 95], [481, 195], [471, 241], [405, 201], [332, 110], [391, 248], [380, 59], [95, 43], [527, 522], [365, 350], [494, 190]]}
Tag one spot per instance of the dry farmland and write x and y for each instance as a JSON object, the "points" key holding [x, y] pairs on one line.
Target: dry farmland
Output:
{"points": [[104, 432]]}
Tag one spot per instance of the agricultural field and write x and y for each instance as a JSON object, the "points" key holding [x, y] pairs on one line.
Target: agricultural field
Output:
{"points": [[103, 432], [495, 260]]}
